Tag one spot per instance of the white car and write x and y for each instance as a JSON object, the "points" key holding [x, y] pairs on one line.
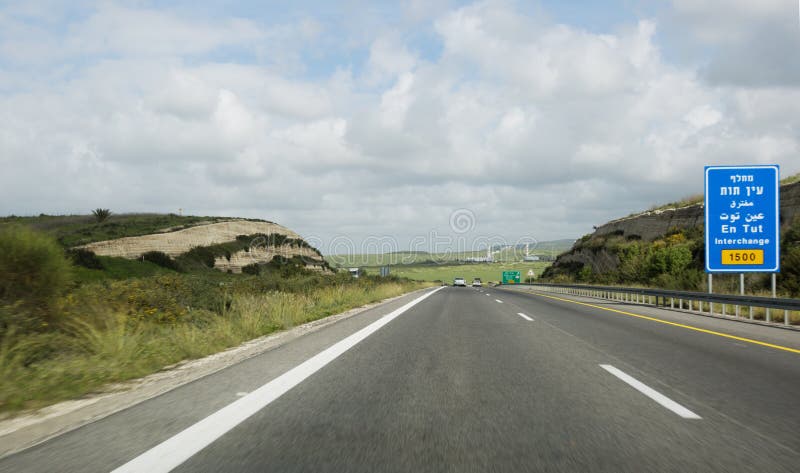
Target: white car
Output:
{"points": [[459, 282], [477, 282]]}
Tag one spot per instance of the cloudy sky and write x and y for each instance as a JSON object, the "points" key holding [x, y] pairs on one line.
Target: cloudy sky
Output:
{"points": [[367, 120]]}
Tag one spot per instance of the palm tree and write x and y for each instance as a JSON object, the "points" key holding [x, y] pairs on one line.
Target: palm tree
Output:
{"points": [[101, 215]]}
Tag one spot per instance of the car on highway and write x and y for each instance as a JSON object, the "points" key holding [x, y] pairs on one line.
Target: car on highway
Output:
{"points": [[460, 282], [476, 282]]}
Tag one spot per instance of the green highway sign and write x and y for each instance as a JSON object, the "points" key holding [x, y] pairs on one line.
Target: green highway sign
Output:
{"points": [[511, 277]]}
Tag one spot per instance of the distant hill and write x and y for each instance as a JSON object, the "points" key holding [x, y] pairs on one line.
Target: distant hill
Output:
{"points": [[545, 248], [380, 259]]}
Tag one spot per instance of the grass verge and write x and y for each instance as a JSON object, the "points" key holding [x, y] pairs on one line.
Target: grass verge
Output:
{"points": [[97, 345]]}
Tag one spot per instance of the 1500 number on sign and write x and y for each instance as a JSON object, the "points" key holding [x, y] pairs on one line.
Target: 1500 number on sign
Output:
{"points": [[742, 256]]}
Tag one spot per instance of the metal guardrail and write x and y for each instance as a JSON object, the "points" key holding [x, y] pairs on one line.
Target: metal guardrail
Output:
{"points": [[679, 299]]}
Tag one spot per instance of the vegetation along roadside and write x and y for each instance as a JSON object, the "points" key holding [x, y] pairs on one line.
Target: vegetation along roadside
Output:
{"points": [[72, 322]]}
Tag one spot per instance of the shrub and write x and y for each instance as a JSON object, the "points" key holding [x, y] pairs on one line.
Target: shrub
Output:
{"points": [[631, 263], [790, 272], [790, 260], [203, 255], [85, 258], [162, 259], [162, 299], [34, 272], [586, 273], [253, 269]]}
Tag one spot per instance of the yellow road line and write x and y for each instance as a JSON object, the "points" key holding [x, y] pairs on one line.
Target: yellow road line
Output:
{"points": [[666, 322]]}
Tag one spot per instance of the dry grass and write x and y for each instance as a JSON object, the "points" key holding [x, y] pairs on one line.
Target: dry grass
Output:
{"points": [[791, 179], [684, 202], [92, 351]]}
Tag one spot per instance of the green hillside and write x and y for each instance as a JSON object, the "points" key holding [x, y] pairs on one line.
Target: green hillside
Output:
{"points": [[76, 230], [674, 260], [72, 322]]}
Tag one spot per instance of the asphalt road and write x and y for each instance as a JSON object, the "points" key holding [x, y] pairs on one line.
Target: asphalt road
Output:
{"points": [[477, 380]]}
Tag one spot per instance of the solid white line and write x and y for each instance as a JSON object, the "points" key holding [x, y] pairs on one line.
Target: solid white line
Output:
{"points": [[652, 393], [499, 301], [179, 448], [525, 317]]}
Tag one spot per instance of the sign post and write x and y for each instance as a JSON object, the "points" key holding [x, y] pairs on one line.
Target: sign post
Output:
{"points": [[511, 277], [742, 221]]}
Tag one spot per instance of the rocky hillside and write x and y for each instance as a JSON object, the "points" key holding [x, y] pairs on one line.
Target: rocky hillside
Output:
{"points": [[665, 243], [175, 243], [261, 244], [657, 223]]}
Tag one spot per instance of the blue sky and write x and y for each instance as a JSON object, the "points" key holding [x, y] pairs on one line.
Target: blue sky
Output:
{"points": [[365, 119]]}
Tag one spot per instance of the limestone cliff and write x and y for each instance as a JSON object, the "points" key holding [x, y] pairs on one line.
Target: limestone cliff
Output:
{"points": [[657, 223], [175, 243]]}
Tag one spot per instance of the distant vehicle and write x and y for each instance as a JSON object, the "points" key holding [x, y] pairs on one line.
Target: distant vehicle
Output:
{"points": [[476, 282], [355, 272], [460, 282]]}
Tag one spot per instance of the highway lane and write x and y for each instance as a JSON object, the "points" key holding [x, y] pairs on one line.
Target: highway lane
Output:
{"points": [[758, 387], [463, 383], [487, 380], [103, 445]]}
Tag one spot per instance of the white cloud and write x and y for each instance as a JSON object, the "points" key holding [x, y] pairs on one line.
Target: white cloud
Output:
{"points": [[233, 119], [541, 129], [754, 43], [129, 31], [396, 101], [388, 59], [729, 20], [598, 154], [183, 94], [546, 60], [703, 116]]}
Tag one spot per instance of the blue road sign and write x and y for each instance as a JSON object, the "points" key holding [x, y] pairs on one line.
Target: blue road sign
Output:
{"points": [[742, 219]]}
